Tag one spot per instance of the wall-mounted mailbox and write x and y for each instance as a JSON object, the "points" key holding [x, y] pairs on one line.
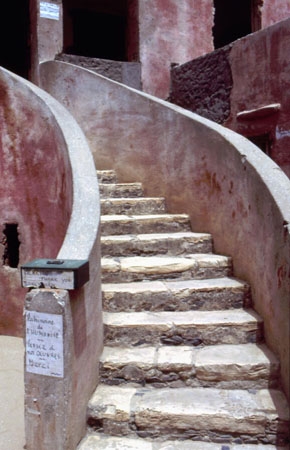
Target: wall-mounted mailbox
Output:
{"points": [[55, 273]]}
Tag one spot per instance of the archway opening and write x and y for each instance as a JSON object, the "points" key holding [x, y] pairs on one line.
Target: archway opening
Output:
{"points": [[15, 39]]}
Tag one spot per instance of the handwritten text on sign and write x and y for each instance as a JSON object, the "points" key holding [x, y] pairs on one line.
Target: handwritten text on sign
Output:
{"points": [[55, 279], [44, 344]]}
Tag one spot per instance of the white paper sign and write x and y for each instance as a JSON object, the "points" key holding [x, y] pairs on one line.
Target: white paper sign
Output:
{"points": [[49, 10], [44, 344], [52, 279]]}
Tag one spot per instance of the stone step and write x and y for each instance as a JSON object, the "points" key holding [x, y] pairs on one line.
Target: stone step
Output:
{"points": [[179, 295], [136, 205], [121, 190], [138, 268], [246, 366], [106, 176], [152, 244], [218, 415], [99, 441], [194, 328], [158, 223]]}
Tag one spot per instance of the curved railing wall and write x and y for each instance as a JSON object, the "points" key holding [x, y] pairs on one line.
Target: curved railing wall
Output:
{"points": [[35, 189], [226, 184], [49, 189]]}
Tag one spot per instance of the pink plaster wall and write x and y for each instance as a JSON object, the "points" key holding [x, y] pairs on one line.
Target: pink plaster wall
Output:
{"points": [[274, 10], [35, 188], [171, 31], [260, 66]]}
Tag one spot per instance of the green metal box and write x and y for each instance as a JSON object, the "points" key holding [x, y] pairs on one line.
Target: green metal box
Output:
{"points": [[55, 273]]}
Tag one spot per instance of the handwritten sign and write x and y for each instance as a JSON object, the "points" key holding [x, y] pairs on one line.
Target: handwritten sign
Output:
{"points": [[52, 279], [44, 344], [49, 10]]}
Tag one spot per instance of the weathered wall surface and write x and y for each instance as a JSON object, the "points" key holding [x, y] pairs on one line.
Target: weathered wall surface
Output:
{"points": [[204, 85], [273, 11], [171, 31], [256, 73], [128, 73], [227, 185], [260, 68], [46, 37], [35, 189], [49, 188]]}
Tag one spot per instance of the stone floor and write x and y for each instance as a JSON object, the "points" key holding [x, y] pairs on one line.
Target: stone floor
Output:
{"points": [[11, 393]]}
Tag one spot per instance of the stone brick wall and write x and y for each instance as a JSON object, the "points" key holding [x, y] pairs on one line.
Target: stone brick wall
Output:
{"points": [[204, 85]]}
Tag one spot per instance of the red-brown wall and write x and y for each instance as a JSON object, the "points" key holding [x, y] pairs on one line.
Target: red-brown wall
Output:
{"points": [[174, 31], [35, 188], [274, 11], [171, 31], [260, 67]]}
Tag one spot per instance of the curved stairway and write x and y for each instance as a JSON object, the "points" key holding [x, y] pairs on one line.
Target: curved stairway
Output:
{"points": [[184, 365]]}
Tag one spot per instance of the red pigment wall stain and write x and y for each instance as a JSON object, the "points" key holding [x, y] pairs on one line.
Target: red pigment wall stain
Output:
{"points": [[171, 31]]}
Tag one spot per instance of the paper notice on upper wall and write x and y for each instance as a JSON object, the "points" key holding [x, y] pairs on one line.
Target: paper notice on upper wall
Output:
{"points": [[49, 10]]}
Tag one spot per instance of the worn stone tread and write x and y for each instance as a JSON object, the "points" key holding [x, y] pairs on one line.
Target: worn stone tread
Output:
{"points": [[147, 223], [177, 295], [135, 205], [186, 412], [182, 327], [107, 176], [137, 268], [98, 441], [252, 364], [157, 243], [114, 190]]}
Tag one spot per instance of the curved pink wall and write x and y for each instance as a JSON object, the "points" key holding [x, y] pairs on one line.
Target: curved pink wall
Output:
{"points": [[224, 182], [35, 187]]}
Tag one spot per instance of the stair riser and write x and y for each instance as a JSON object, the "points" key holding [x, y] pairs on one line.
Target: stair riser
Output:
{"points": [[100, 442], [190, 377], [141, 227], [117, 191], [167, 301], [187, 431], [149, 206], [182, 335], [105, 177], [171, 247], [181, 430], [197, 274]]}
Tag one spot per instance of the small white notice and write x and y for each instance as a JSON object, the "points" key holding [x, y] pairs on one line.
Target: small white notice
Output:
{"points": [[44, 344], [49, 10]]}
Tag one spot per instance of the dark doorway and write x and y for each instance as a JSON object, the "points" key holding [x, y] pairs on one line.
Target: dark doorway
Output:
{"points": [[15, 36], [264, 142], [232, 20], [96, 28], [11, 244]]}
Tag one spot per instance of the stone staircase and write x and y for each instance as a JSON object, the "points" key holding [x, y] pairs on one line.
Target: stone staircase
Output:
{"points": [[184, 365]]}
